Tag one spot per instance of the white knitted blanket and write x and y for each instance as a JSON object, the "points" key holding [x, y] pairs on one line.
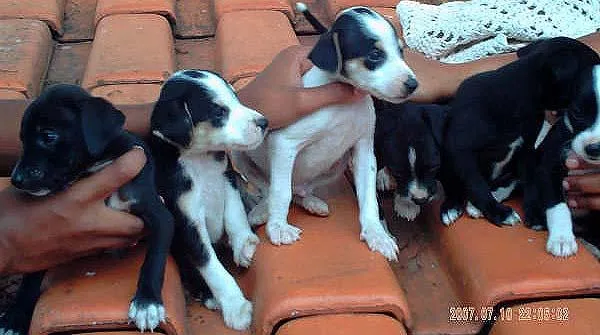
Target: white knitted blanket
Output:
{"points": [[462, 31]]}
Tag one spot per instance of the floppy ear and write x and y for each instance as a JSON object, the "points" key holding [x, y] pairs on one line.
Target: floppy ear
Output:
{"points": [[326, 55], [101, 122], [435, 118], [529, 48], [173, 89]]}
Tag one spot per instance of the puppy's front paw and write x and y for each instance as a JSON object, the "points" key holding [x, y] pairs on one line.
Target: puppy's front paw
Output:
{"points": [[380, 241], [146, 314], [503, 215], [406, 208], [385, 180], [449, 213], [561, 245], [473, 211], [314, 205], [283, 233], [237, 313], [243, 251], [14, 323]]}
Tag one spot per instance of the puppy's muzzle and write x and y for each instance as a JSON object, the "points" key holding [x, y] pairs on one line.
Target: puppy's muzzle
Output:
{"points": [[262, 123], [410, 85], [21, 177], [592, 150]]}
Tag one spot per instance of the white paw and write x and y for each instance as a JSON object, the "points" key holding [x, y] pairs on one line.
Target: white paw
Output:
{"points": [[237, 313], [283, 233], [211, 304], [473, 211], [146, 316], [380, 241], [314, 205], [512, 219], [243, 252], [450, 216], [561, 245], [385, 180], [259, 214], [5, 331], [406, 208]]}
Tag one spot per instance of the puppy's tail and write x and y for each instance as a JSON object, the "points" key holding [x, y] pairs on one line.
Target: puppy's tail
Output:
{"points": [[302, 8]]}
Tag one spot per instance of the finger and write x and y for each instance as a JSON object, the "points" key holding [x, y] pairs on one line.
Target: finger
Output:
{"points": [[109, 222], [101, 184], [574, 162], [587, 202], [589, 183], [102, 244], [311, 99]]}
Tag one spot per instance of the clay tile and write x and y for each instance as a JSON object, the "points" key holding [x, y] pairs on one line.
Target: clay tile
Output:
{"points": [[194, 19], [48, 11], [343, 324], [334, 6], [26, 49], [247, 41], [128, 49], [225, 6], [111, 7]]}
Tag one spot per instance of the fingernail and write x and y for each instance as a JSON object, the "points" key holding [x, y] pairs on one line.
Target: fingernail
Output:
{"points": [[571, 163], [572, 203], [565, 185]]}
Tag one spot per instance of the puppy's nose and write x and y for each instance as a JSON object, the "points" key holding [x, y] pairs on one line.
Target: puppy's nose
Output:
{"points": [[411, 84], [17, 179], [593, 150], [420, 201], [262, 122]]}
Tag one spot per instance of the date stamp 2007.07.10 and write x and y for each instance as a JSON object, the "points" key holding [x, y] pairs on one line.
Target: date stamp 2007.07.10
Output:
{"points": [[523, 313]]}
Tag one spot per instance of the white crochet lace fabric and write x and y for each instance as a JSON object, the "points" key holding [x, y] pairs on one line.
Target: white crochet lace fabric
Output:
{"points": [[461, 31]]}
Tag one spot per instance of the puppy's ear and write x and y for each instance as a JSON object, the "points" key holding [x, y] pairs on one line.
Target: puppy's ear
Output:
{"points": [[174, 89], [530, 48], [101, 122], [435, 118], [326, 55]]}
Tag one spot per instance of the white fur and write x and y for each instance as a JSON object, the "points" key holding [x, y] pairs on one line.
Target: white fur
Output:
{"points": [[561, 240], [450, 216], [301, 7], [147, 317], [406, 208], [499, 166], [500, 194], [385, 180], [592, 134]]}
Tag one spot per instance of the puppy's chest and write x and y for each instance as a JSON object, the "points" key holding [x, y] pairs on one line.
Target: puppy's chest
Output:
{"points": [[208, 183]]}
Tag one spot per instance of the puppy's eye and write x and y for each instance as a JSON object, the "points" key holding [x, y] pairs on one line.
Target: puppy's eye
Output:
{"points": [[48, 137], [375, 55], [220, 112]]}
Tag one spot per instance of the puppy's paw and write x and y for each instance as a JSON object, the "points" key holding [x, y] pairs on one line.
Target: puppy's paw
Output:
{"points": [[313, 205], [283, 233], [512, 219], [259, 214], [385, 180], [561, 245], [13, 324], [380, 241], [146, 314], [404, 207], [243, 251], [212, 304], [473, 211], [237, 313], [450, 213]]}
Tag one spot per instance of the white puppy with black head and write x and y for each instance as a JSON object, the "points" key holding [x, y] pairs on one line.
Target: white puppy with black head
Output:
{"points": [[361, 48]]}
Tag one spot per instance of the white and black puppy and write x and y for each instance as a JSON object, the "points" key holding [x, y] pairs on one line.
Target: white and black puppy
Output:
{"points": [[195, 121], [544, 199], [361, 48], [408, 144], [495, 119], [67, 134]]}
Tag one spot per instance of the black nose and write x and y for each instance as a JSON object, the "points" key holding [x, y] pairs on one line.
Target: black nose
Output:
{"points": [[17, 179], [262, 123], [411, 84], [420, 201], [593, 150]]}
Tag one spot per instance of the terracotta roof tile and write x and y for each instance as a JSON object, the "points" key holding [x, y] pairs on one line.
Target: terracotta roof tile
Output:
{"points": [[49, 11], [26, 46], [79, 22], [196, 54], [343, 324], [128, 94], [111, 7], [226, 6], [11, 95], [334, 6], [128, 57], [194, 19], [68, 63]]}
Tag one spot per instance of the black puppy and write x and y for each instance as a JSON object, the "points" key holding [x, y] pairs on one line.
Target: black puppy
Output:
{"points": [[67, 134], [196, 119], [578, 129], [496, 117], [408, 140]]}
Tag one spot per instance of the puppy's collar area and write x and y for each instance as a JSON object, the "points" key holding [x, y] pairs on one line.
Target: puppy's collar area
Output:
{"points": [[164, 138]]}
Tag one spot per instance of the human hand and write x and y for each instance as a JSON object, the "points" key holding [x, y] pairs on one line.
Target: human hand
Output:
{"points": [[277, 91], [38, 233], [582, 184]]}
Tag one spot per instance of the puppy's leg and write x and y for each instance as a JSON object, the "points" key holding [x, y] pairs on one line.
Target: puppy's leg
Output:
{"points": [[385, 180], [146, 309], [500, 194], [453, 206], [372, 230], [561, 241], [259, 214], [243, 241], [18, 317], [282, 155], [312, 204]]}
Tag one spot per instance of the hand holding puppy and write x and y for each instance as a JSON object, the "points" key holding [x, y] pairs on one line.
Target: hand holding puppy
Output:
{"points": [[36, 234], [582, 184]]}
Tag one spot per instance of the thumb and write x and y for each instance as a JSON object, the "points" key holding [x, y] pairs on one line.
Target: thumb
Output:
{"points": [[101, 184], [313, 98]]}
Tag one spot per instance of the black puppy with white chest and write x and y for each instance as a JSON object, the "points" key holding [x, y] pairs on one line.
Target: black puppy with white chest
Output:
{"points": [[408, 144], [495, 119], [67, 134]]}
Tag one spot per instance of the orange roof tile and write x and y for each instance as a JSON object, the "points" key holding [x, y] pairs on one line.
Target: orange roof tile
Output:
{"points": [[49, 11], [111, 7]]}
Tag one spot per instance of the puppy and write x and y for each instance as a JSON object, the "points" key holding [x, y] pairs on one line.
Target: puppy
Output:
{"points": [[67, 134], [408, 140], [196, 120], [495, 119], [579, 130], [361, 48]]}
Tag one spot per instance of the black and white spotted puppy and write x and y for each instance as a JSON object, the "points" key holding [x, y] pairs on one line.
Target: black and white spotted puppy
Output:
{"points": [[408, 144], [361, 48], [544, 198], [494, 121], [68, 134], [195, 121]]}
